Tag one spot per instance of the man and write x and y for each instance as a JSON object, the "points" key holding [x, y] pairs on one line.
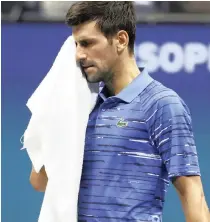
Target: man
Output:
{"points": [[139, 135]]}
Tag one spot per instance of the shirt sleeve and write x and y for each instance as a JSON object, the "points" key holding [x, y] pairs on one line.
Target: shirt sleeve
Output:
{"points": [[170, 131]]}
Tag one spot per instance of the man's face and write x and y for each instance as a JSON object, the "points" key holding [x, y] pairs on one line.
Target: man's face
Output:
{"points": [[96, 55]]}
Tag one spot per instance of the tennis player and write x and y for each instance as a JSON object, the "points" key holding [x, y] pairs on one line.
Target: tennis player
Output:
{"points": [[139, 136]]}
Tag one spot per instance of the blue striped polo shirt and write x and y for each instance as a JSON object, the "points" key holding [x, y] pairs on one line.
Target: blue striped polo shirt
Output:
{"points": [[135, 143]]}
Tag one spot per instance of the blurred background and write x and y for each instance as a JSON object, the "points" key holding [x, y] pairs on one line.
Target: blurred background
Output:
{"points": [[173, 41]]}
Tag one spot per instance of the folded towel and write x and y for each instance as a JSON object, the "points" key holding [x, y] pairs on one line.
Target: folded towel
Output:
{"points": [[55, 135]]}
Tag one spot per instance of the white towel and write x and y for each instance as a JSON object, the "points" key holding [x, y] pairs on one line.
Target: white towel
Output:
{"points": [[55, 135]]}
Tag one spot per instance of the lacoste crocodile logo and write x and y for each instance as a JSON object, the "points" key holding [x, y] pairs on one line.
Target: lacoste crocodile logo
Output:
{"points": [[121, 123]]}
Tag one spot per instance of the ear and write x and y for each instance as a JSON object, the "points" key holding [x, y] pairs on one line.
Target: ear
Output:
{"points": [[122, 40]]}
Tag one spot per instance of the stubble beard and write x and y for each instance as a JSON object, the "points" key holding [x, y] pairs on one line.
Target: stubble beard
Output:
{"points": [[104, 76]]}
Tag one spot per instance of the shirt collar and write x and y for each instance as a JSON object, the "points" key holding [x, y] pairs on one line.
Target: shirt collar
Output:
{"points": [[130, 92]]}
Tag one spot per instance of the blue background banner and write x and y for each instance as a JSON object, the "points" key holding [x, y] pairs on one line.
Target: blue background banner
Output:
{"points": [[176, 55]]}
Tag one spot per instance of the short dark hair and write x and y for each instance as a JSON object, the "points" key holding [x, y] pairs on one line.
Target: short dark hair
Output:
{"points": [[110, 16]]}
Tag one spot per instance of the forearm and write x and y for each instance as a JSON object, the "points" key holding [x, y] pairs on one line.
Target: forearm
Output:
{"points": [[39, 180]]}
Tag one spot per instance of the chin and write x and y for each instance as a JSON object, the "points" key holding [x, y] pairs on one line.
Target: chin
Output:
{"points": [[94, 78]]}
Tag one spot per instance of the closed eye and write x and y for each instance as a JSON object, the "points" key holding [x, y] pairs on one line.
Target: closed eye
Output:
{"points": [[84, 43]]}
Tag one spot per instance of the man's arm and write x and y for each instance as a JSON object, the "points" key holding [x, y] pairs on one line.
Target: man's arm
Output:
{"points": [[190, 191], [170, 128], [39, 180]]}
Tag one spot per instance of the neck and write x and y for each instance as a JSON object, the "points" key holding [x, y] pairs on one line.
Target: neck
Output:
{"points": [[124, 73]]}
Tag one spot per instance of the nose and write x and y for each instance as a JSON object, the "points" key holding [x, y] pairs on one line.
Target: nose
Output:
{"points": [[80, 54]]}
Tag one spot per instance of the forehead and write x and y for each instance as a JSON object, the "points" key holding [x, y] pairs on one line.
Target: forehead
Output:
{"points": [[86, 30]]}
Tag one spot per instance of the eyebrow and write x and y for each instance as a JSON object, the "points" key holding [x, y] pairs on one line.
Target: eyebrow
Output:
{"points": [[82, 39]]}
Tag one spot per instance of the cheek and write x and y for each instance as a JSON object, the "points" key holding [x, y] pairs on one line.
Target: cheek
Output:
{"points": [[105, 61], [107, 56], [103, 57]]}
